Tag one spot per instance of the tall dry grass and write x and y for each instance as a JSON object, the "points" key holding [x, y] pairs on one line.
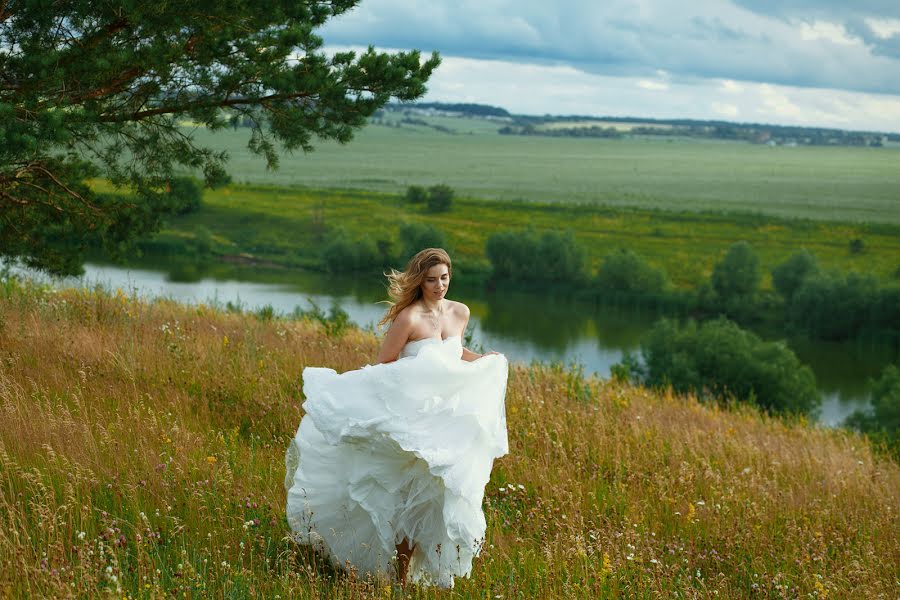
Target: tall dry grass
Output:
{"points": [[142, 448]]}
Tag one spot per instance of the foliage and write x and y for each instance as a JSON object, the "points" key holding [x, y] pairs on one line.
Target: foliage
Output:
{"points": [[719, 359], [735, 282], [789, 275], [883, 423], [835, 306], [335, 323], [418, 236], [626, 272], [188, 193], [530, 257], [99, 89], [341, 253], [440, 198], [416, 194]]}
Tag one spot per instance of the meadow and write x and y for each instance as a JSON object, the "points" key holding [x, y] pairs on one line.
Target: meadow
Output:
{"points": [[672, 174], [287, 226], [142, 456]]}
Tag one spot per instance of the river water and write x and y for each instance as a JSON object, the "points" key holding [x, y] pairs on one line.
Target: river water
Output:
{"points": [[523, 327]]}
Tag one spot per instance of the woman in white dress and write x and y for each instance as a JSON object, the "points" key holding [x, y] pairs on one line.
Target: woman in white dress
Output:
{"points": [[386, 474]]}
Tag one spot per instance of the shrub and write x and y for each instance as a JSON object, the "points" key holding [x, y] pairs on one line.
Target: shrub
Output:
{"points": [[440, 197], [417, 236], [882, 425], [789, 275], [341, 253], [416, 194], [187, 193], [527, 256], [625, 272], [835, 307], [737, 275], [719, 359]]}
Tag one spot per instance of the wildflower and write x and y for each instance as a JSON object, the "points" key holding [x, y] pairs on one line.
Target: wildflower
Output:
{"points": [[211, 460], [225, 341], [81, 535]]}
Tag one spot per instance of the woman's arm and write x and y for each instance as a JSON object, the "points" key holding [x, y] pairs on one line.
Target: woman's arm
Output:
{"points": [[468, 355]]}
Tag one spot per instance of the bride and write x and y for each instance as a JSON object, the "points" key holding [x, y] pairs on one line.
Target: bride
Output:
{"points": [[387, 471]]}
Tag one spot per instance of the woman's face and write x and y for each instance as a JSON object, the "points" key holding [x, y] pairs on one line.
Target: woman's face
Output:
{"points": [[437, 280]]}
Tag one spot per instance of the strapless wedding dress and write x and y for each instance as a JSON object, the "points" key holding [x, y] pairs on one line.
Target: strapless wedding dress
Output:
{"points": [[399, 450]]}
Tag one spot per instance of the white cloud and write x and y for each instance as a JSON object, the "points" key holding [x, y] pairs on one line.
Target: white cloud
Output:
{"points": [[722, 109], [652, 85], [541, 89], [884, 28], [811, 43], [832, 32]]}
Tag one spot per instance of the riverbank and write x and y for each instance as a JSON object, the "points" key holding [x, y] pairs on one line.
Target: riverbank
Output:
{"points": [[143, 447], [288, 227]]}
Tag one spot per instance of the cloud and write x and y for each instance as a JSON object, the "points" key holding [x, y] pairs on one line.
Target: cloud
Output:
{"points": [[804, 43], [560, 89]]}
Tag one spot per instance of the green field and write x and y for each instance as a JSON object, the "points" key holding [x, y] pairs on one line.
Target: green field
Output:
{"points": [[822, 183], [277, 225]]}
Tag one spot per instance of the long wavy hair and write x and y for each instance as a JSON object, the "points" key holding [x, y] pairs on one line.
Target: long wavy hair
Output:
{"points": [[405, 287]]}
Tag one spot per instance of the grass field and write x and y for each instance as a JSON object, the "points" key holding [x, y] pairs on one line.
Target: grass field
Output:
{"points": [[142, 456], [822, 183], [277, 225]]}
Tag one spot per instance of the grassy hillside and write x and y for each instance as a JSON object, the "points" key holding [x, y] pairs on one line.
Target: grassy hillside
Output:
{"points": [[287, 226], [822, 183], [142, 447]]}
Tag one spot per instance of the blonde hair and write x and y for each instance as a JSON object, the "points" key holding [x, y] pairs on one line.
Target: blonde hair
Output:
{"points": [[405, 287]]}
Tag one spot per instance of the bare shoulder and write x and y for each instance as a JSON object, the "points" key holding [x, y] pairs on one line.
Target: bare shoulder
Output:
{"points": [[407, 316], [459, 309]]}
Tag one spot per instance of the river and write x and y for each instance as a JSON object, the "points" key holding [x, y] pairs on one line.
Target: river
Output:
{"points": [[523, 327]]}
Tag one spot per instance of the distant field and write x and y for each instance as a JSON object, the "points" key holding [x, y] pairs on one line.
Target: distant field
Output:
{"points": [[822, 183]]}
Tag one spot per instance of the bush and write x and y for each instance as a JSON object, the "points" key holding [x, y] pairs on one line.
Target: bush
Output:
{"points": [[440, 197], [417, 236], [625, 272], [719, 359], [341, 253], [789, 275], [737, 276], [187, 194], [882, 425], [733, 289], [528, 256], [416, 194], [836, 307]]}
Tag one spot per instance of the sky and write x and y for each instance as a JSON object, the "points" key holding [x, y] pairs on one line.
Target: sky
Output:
{"points": [[791, 62]]}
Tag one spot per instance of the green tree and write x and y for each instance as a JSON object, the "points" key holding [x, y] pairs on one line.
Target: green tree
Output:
{"points": [[440, 197], [883, 423], [416, 194], [418, 236], [735, 283], [789, 275], [737, 275], [720, 360], [625, 272], [531, 257], [97, 89]]}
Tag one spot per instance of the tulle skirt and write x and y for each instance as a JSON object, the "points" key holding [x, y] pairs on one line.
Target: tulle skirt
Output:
{"points": [[398, 451]]}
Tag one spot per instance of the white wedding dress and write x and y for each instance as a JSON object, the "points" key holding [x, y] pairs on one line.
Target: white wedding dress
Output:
{"points": [[399, 450]]}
